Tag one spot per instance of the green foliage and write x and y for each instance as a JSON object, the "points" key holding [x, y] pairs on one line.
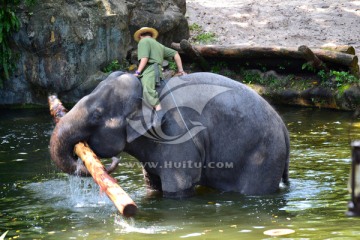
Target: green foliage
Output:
{"points": [[250, 77], [201, 37], [172, 66], [343, 78], [115, 65], [205, 38], [308, 66], [195, 27], [218, 66], [111, 67], [323, 75], [9, 24]]}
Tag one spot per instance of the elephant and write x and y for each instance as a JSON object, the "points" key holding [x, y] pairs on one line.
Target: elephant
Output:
{"points": [[214, 132]]}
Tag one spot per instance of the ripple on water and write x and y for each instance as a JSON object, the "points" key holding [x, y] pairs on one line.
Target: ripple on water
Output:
{"points": [[131, 226]]}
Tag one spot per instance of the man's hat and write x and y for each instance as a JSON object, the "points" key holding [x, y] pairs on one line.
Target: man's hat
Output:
{"points": [[142, 30]]}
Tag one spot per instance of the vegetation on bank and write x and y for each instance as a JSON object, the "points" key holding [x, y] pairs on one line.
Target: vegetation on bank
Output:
{"points": [[334, 80], [9, 24], [199, 36]]}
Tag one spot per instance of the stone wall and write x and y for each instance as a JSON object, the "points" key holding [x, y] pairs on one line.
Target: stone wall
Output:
{"points": [[63, 44]]}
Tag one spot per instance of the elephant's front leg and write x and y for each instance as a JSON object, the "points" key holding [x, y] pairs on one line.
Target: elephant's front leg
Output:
{"points": [[179, 183], [152, 181]]}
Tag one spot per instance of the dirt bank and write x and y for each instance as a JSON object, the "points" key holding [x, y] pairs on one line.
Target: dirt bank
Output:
{"points": [[281, 23]]}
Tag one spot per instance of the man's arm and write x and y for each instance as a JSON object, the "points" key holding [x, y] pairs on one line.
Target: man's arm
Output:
{"points": [[179, 65], [141, 67]]}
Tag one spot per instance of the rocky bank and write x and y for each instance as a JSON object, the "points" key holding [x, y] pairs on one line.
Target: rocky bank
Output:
{"points": [[64, 44]]}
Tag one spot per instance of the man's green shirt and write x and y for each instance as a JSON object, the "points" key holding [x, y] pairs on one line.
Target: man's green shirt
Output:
{"points": [[154, 51]]}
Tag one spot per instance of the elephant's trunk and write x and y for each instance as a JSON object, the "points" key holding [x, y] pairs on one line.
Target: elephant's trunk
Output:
{"points": [[62, 144]]}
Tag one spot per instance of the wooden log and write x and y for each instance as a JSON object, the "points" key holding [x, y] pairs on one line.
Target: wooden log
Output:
{"points": [[193, 54], [343, 59], [312, 59], [252, 52], [108, 184], [57, 110], [340, 48], [118, 196]]}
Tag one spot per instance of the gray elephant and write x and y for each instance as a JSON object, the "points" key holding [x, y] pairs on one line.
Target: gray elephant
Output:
{"points": [[214, 132]]}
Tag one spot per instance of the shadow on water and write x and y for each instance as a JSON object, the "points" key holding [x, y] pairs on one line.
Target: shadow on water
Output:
{"points": [[38, 202]]}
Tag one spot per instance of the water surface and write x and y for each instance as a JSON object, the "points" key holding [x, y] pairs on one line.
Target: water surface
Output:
{"points": [[39, 202]]}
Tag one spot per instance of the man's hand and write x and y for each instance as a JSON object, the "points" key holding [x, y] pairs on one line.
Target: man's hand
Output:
{"points": [[180, 73]]}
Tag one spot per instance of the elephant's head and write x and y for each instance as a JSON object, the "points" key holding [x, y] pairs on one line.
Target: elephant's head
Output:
{"points": [[100, 119]]}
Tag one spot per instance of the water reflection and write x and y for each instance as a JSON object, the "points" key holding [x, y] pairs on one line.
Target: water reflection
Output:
{"points": [[39, 202]]}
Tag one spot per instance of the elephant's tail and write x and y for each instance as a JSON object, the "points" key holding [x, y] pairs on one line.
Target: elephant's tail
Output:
{"points": [[285, 176]]}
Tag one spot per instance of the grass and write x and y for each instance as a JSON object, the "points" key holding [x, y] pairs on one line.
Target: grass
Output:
{"points": [[199, 36]]}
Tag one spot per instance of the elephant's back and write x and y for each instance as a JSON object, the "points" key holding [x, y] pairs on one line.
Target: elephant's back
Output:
{"points": [[239, 98], [222, 81], [237, 110]]}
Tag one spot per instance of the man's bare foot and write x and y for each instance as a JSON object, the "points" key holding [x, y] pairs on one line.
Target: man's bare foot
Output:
{"points": [[158, 107]]}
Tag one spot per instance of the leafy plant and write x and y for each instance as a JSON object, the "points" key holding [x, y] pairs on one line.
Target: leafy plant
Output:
{"points": [[343, 78], [115, 65], [9, 24], [195, 27], [250, 77], [218, 66], [111, 67], [308, 66], [199, 36], [323, 75], [205, 38], [172, 65]]}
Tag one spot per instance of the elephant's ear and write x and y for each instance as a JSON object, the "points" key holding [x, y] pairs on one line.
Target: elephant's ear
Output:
{"points": [[138, 124]]}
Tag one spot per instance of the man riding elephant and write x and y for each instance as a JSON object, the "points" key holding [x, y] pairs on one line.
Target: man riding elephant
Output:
{"points": [[151, 55]]}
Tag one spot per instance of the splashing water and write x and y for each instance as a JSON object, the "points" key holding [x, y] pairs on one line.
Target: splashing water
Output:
{"points": [[72, 192], [128, 225]]}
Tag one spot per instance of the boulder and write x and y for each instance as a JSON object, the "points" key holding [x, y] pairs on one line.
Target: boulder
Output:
{"points": [[63, 44]]}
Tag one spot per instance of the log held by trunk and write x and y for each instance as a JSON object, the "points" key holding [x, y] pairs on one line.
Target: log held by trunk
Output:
{"points": [[57, 110], [117, 195]]}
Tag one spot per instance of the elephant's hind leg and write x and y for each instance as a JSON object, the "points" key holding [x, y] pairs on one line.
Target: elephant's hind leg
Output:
{"points": [[256, 182]]}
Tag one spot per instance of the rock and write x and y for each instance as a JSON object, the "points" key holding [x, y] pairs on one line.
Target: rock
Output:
{"points": [[63, 44], [350, 98], [166, 16]]}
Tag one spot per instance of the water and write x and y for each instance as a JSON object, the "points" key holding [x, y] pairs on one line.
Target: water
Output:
{"points": [[39, 202]]}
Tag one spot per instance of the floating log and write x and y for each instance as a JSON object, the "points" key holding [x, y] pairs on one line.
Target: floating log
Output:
{"points": [[252, 52], [108, 184]]}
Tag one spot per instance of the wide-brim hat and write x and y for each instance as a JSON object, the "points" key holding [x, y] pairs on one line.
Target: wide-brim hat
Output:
{"points": [[142, 30]]}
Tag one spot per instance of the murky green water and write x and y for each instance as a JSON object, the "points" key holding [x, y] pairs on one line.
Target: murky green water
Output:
{"points": [[39, 202]]}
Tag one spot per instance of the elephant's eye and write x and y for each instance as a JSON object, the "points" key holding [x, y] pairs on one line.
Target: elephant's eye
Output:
{"points": [[96, 115]]}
